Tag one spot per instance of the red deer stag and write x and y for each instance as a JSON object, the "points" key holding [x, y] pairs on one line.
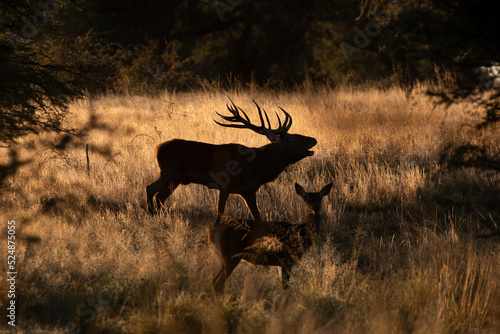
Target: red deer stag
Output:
{"points": [[266, 243], [231, 168]]}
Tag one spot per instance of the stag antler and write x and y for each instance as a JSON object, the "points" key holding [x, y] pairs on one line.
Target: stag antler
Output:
{"points": [[246, 124]]}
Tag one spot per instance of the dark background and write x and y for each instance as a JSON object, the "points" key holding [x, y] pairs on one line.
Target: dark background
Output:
{"points": [[52, 51]]}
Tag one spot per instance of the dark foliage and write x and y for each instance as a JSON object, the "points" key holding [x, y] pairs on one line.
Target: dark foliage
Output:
{"points": [[50, 51], [459, 37], [36, 82]]}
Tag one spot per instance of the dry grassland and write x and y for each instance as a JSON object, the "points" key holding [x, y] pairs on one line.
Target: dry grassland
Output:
{"points": [[399, 253]]}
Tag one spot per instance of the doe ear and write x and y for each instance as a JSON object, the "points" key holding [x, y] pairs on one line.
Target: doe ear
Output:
{"points": [[300, 191], [326, 190]]}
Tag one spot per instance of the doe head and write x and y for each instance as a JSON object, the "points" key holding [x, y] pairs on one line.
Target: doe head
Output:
{"points": [[313, 199]]}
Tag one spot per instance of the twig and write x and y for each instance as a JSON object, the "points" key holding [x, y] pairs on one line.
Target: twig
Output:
{"points": [[88, 160]]}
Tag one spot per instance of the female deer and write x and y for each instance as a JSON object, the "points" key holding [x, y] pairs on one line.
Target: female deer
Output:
{"points": [[266, 243]]}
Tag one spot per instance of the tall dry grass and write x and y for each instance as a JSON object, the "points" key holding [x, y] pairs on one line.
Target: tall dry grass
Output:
{"points": [[399, 253]]}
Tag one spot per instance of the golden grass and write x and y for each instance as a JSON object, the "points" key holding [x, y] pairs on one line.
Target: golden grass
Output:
{"points": [[399, 255]]}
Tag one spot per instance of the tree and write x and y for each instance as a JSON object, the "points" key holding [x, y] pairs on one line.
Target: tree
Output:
{"points": [[35, 86], [288, 42], [458, 41], [459, 37]]}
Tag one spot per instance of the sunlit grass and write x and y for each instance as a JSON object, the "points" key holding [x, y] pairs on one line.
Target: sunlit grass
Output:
{"points": [[399, 254]]}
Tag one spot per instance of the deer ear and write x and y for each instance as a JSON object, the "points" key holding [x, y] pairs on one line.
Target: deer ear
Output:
{"points": [[273, 137], [326, 190], [300, 191]]}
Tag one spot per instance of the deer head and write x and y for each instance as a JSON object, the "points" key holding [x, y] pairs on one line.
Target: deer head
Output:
{"points": [[295, 146]]}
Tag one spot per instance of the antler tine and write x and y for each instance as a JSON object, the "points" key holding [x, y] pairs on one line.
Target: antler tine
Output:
{"points": [[262, 125], [288, 121], [267, 119], [236, 117], [233, 111], [279, 120], [246, 116], [243, 118], [241, 126], [262, 119], [228, 118], [236, 113]]}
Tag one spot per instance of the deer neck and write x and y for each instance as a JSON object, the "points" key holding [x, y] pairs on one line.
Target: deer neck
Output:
{"points": [[270, 161], [314, 223]]}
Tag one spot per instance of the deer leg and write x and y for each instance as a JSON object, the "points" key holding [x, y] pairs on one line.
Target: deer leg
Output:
{"points": [[220, 237], [158, 192], [251, 200], [151, 191], [285, 276], [227, 267], [219, 280], [221, 204]]}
